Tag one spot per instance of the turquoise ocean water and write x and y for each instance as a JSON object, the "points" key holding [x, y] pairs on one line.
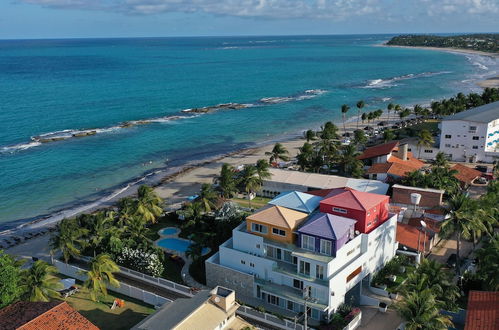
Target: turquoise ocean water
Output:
{"points": [[288, 84]]}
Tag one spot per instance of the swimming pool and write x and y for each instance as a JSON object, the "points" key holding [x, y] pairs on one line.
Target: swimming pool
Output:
{"points": [[177, 244], [169, 231]]}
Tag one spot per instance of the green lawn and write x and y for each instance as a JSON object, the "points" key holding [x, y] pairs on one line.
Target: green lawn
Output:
{"points": [[100, 313], [256, 203]]}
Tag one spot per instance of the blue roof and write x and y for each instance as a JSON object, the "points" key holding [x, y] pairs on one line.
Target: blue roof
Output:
{"points": [[297, 201], [327, 225]]}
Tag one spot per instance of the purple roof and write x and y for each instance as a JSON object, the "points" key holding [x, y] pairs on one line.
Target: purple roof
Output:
{"points": [[327, 225]]}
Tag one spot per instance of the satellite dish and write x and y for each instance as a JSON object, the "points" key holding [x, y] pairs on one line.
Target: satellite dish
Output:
{"points": [[357, 232], [423, 223], [217, 299]]}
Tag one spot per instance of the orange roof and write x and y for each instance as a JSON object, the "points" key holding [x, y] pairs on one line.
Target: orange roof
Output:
{"points": [[465, 174], [483, 310], [279, 216], [397, 169], [409, 236], [379, 150], [432, 224], [411, 161], [55, 315]]}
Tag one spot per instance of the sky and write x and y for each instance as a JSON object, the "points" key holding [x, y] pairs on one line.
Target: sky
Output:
{"points": [[21, 19]]}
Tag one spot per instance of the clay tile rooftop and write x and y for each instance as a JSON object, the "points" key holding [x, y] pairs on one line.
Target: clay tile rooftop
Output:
{"points": [[465, 174], [54, 315], [379, 150], [483, 311]]}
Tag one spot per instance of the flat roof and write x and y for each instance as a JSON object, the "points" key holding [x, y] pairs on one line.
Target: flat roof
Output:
{"points": [[419, 189], [323, 181], [482, 114]]}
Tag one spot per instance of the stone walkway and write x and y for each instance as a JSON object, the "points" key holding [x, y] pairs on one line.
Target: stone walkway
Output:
{"points": [[373, 319], [188, 279]]}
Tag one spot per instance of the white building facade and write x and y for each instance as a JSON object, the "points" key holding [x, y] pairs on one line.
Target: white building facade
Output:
{"points": [[285, 274], [472, 135]]}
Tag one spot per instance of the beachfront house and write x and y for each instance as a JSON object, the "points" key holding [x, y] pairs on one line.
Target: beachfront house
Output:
{"points": [[471, 135], [281, 257]]}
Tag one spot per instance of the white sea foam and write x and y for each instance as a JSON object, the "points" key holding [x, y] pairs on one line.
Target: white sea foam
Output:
{"points": [[19, 147], [391, 82]]}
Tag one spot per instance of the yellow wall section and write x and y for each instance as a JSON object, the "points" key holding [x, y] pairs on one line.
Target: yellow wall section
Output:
{"points": [[288, 239]]}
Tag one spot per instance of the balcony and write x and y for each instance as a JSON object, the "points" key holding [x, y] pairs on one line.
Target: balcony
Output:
{"points": [[288, 293], [291, 271]]}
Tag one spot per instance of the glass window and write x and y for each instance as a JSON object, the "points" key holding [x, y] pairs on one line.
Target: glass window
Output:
{"points": [[291, 305], [319, 271], [308, 242], [475, 138], [258, 228], [277, 231], [472, 128], [304, 267], [326, 247], [475, 147], [287, 256], [448, 136], [298, 284], [340, 210]]}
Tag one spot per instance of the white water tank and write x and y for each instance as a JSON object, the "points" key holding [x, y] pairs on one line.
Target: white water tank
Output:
{"points": [[415, 198]]}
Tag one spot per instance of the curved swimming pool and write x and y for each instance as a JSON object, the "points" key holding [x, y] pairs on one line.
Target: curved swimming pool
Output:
{"points": [[177, 244], [169, 231]]}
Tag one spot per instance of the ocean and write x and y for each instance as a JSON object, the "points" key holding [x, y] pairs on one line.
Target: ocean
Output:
{"points": [[81, 118]]}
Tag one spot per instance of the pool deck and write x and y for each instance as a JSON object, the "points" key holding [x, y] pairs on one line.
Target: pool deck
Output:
{"points": [[175, 236]]}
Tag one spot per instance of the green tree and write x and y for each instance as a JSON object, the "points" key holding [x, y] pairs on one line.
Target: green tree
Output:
{"points": [[262, 168], [309, 135], [207, 197], [350, 164], [390, 108], [388, 135], [360, 105], [364, 117], [68, 239], [441, 160], [488, 263], [127, 208], [149, 204], [250, 180], [39, 282], [227, 181], [304, 157], [194, 251], [102, 221], [136, 230], [329, 132], [278, 152], [420, 310], [359, 137], [425, 139], [101, 274], [344, 110], [10, 279]]}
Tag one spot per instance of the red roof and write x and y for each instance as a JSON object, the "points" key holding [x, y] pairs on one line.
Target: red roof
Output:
{"points": [[353, 199], [465, 174], [432, 224], [55, 315], [396, 169], [379, 150], [320, 192], [409, 236], [483, 310]]}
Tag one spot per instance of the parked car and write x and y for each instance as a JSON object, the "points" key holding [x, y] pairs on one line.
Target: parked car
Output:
{"points": [[481, 168], [381, 123], [451, 261]]}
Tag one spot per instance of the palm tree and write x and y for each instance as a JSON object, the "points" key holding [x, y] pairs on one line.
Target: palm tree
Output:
{"points": [[457, 219], [488, 267], [207, 197], [101, 274], [250, 180], [363, 117], [278, 152], [351, 165], [136, 229], [68, 239], [305, 155], [262, 167], [344, 110], [441, 160], [127, 207], [149, 204], [100, 225], [39, 283], [388, 135], [360, 105], [421, 311], [389, 108], [227, 181], [424, 139], [359, 137], [194, 251], [309, 135]]}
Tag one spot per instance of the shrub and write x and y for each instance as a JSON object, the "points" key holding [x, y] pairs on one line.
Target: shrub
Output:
{"points": [[145, 262]]}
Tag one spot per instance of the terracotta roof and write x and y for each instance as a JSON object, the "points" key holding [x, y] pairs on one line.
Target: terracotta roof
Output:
{"points": [[432, 224], [55, 315], [411, 161], [279, 216], [397, 169], [409, 236], [379, 150], [353, 199], [482, 311], [465, 174]]}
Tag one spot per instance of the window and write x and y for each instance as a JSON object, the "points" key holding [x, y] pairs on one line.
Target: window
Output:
{"points": [[304, 267], [428, 151], [475, 147], [252, 264], [448, 136], [258, 246], [308, 242], [319, 271], [354, 273], [271, 299], [340, 210], [277, 231], [476, 138], [298, 284], [326, 247], [472, 128], [290, 305], [287, 256], [243, 262], [447, 145], [258, 228], [374, 176]]}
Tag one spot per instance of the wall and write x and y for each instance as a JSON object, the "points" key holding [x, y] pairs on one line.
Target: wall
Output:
{"points": [[429, 199], [217, 274], [317, 243], [288, 239]]}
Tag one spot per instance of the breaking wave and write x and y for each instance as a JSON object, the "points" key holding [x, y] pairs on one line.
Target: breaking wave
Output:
{"points": [[391, 82]]}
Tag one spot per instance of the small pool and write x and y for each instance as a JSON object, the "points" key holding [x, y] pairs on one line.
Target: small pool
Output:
{"points": [[169, 231], [177, 244]]}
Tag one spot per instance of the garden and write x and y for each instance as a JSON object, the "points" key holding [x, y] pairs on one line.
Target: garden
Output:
{"points": [[341, 318], [394, 273]]}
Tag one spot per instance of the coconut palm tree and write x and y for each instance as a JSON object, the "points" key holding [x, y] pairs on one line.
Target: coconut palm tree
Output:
{"points": [[262, 168], [363, 117], [194, 251], [305, 155], [488, 267], [388, 135], [389, 108], [149, 205], [207, 197], [68, 239], [420, 310], [351, 165], [360, 105], [425, 139], [127, 208], [100, 225], [309, 135], [136, 229], [278, 152], [250, 180], [344, 110], [101, 274], [441, 160], [39, 282], [227, 181], [457, 220]]}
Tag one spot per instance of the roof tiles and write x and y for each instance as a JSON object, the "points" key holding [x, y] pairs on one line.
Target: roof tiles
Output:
{"points": [[297, 201], [483, 310], [279, 216]]}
